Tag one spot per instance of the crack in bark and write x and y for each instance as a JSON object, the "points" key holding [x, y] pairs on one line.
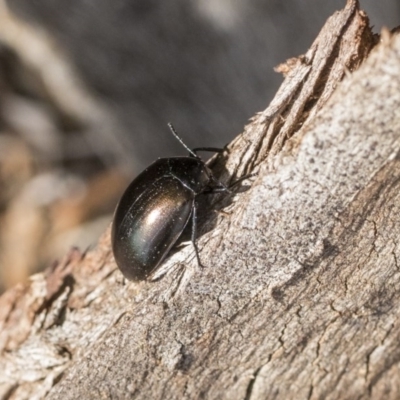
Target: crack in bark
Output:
{"points": [[251, 383]]}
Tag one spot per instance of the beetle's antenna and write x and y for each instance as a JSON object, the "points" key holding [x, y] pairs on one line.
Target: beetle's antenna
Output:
{"points": [[171, 127]]}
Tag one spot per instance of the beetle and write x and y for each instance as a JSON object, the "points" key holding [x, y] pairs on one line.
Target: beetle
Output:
{"points": [[156, 207]]}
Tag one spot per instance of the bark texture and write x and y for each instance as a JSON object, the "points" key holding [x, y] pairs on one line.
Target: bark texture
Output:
{"points": [[300, 296]]}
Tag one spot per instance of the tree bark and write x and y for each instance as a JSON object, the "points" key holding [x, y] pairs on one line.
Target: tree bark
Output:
{"points": [[299, 298]]}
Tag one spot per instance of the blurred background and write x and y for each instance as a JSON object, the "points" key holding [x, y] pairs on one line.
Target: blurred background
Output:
{"points": [[88, 86]]}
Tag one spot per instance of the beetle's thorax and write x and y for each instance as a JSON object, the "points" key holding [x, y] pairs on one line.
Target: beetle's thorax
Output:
{"points": [[191, 172]]}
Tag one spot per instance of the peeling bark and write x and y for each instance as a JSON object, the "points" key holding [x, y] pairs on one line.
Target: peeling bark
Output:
{"points": [[300, 296]]}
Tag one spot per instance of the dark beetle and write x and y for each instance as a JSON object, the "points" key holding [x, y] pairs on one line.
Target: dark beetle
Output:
{"points": [[155, 209]]}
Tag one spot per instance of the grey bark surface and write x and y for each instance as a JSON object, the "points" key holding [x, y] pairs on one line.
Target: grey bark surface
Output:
{"points": [[300, 296]]}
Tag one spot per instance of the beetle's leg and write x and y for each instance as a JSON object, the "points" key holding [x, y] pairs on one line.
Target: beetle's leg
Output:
{"points": [[194, 232], [216, 190], [224, 188], [241, 179], [220, 187]]}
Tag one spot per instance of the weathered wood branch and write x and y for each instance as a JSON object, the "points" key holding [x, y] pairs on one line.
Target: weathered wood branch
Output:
{"points": [[300, 297]]}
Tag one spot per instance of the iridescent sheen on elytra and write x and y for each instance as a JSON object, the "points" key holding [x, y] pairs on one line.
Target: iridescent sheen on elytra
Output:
{"points": [[153, 212]]}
